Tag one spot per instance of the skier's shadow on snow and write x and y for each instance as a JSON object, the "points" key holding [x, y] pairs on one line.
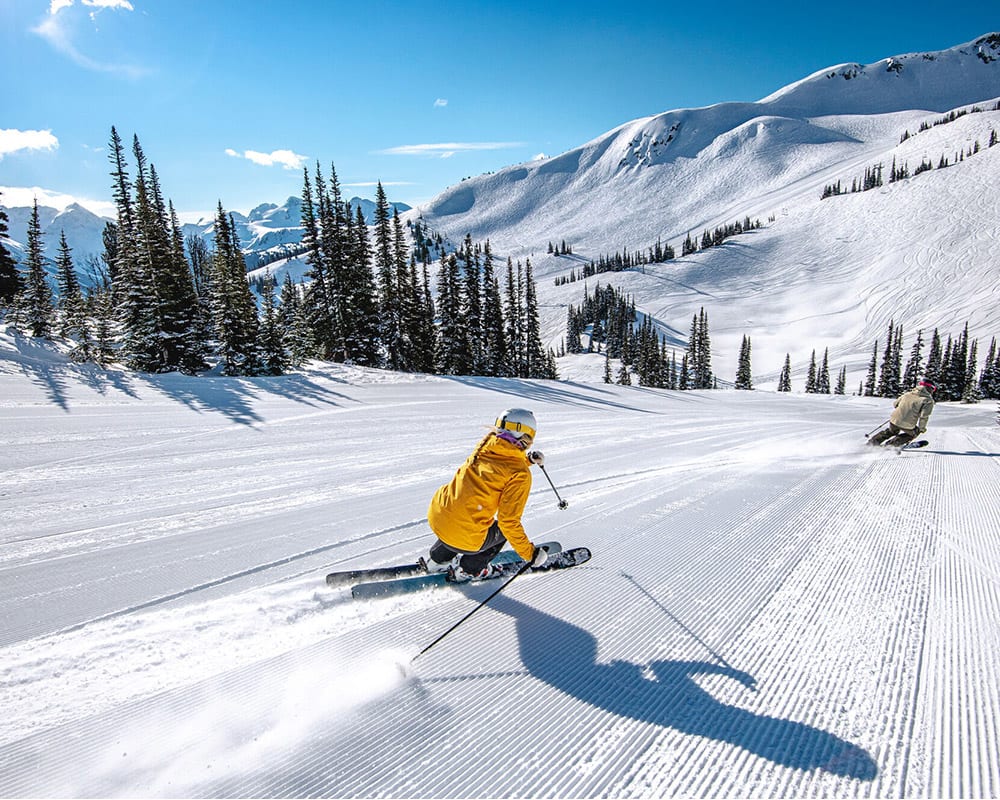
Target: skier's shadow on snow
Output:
{"points": [[565, 657]]}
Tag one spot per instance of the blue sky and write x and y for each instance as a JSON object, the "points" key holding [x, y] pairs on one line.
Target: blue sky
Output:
{"points": [[229, 99]]}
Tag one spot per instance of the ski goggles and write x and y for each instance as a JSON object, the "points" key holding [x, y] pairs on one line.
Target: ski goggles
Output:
{"points": [[519, 429]]}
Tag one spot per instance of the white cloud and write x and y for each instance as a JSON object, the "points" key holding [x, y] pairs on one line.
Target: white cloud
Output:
{"points": [[440, 102], [25, 196], [447, 149], [13, 140], [283, 158], [58, 30]]}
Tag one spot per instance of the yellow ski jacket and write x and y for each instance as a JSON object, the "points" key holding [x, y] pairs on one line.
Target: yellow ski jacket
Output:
{"points": [[494, 482]]}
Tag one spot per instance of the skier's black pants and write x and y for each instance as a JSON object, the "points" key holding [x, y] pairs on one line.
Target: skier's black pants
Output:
{"points": [[894, 435], [472, 563]]}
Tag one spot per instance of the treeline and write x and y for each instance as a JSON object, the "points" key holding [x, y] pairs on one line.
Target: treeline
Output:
{"points": [[161, 304], [656, 254], [873, 177], [611, 317], [952, 367]]}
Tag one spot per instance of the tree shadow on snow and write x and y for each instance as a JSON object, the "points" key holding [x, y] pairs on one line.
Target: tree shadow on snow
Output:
{"points": [[666, 693], [566, 392]]}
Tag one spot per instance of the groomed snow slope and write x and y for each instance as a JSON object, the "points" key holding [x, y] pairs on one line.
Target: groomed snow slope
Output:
{"points": [[771, 610]]}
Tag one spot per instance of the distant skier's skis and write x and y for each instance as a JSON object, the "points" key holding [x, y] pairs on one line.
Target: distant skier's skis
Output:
{"points": [[508, 561]]}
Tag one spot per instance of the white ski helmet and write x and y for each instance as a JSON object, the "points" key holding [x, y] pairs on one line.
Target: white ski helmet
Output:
{"points": [[519, 423]]}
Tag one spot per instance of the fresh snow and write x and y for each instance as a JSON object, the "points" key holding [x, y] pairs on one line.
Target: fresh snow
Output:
{"points": [[772, 609]]}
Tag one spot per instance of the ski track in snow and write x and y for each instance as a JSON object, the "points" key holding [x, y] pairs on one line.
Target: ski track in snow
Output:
{"points": [[771, 610]]}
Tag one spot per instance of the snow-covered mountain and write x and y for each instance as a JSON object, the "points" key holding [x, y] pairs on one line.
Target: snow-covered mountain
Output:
{"points": [[268, 228], [821, 273], [83, 230], [666, 174]]}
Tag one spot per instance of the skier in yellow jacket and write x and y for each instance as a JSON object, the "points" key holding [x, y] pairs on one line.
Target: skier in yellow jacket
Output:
{"points": [[479, 511], [909, 417]]}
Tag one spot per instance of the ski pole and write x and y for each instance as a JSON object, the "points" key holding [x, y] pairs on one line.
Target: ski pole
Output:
{"points": [[868, 435], [504, 585], [562, 503]]}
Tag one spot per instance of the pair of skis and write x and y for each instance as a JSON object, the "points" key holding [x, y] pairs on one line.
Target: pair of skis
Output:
{"points": [[408, 578]]}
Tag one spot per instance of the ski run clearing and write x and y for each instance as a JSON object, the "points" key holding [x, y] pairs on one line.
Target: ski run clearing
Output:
{"points": [[772, 609]]}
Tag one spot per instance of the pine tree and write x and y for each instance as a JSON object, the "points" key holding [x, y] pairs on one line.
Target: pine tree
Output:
{"points": [[71, 305], [514, 317], [472, 310], [535, 360], [932, 371], [912, 372], [187, 320], [294, 320], [494, 342], [870, 379], [454, 356], [35, 301], [233, 306], [151, 278], [321, 298], [684, 377], [989, 378], [10, 278], [274, 357], [364, 331], [429, 331], [889, 374], [410, 298], [148, 349], [811, 375], [743, 372], [970, 392], [700, 352], [841, 382], [944, 383], [623, 379], [785, 380], [385, 272], [334, 250], [607, 367], [823, 376]]}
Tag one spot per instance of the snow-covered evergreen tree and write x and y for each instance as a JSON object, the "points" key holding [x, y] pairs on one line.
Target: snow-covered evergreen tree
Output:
{"points": [[823, 374], [785, 380], [35, 301], [744, 378], [912, 372], [10, 278], [970, 392], [233, 307], [811, 375], [869, 390], [71, 306], [841, 387]]}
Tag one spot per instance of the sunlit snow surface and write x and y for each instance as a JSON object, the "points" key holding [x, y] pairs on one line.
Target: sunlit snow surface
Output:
{"points": [[771, 610]]}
